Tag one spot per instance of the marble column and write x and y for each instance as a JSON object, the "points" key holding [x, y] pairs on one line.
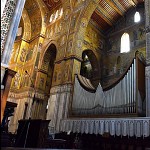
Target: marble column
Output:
{"points": [[6, 19], [147, 71], [9, 25], [10, 33], [58, 106], [3, 3]]}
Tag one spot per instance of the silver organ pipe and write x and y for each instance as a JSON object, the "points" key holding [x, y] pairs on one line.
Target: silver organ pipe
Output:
{"points": [[121, 99], [134, 86]]}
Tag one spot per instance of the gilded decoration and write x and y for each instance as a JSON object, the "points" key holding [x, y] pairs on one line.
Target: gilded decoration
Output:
{"points": [[72, 30], [83, 35], [42, 81], [32, 8], [15, 52], [32, 50], [27, 25]]}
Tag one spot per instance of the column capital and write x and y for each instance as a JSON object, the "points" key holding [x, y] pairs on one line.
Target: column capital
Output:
{"points": [[4, 66], [11, 72]]}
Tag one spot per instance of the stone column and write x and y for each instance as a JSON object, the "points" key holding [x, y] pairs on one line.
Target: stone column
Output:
{"points": [[3, 3], [147, 71], [9, 25], [58, 105], [6, 19], [8, 78], [9, 28]]}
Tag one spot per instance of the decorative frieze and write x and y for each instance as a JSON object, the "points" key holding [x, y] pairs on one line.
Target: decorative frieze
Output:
{"points": [[29, 94], [61, 89]]}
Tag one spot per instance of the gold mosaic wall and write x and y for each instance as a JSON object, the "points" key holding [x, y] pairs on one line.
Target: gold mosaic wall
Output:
{"points": [[71, 33]]}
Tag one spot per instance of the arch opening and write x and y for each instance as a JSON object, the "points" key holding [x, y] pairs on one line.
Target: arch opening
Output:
{"points": [[89, 67], [48, 66]]}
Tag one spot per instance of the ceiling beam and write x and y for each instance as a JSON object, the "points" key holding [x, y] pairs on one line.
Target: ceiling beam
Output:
{"points": [[104, 17], [114, 7], [119, 5]]}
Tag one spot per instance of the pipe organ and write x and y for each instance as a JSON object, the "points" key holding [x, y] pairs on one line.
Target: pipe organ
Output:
{"points": [[126, 96]]}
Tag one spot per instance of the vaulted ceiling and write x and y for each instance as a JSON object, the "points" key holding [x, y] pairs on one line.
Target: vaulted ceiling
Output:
{"points": [[107, 11]]}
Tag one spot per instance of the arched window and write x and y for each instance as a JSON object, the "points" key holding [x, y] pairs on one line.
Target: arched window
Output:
{"points": [[125, 43], [137, 17]]}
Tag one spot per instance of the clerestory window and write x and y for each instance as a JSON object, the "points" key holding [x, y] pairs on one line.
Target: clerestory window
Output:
{"points": [[125, 43], [137, 17]]}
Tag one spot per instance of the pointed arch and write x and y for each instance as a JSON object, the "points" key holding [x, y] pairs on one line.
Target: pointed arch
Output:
{"points": [[90, 66]]}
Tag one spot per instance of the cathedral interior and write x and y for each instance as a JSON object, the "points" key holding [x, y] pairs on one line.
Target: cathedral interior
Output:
{"points": [[75, 74]]}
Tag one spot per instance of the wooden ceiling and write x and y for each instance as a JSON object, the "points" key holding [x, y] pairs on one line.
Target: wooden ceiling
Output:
{"points": [[106, 13], [109, 11]]}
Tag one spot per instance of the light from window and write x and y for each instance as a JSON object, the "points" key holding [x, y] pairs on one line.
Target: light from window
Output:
{"points": [[51, 18], [137, 17], [61, 12], [56, 15], [125, 43], [19, 32]]}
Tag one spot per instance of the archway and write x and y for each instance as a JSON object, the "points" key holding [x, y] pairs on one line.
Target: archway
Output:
{"points": [[48, 66], [90, 67], [44, 80]]}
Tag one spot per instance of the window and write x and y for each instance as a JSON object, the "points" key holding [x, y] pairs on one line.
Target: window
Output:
{"points": [[137, 17], [125, 43]]}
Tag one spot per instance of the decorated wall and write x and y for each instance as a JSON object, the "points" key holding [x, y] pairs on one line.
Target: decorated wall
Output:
{"points": [[116, 63]]}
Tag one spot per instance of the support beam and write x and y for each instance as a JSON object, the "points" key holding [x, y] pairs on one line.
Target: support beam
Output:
{"points": [[114, 7], [104, 17]]}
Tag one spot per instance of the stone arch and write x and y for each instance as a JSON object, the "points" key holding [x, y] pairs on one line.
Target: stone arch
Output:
{"points": [[27, 26], [90, 66], [34, 13], [45, 48], [46, 67], [82, 23], [44, 15]]}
